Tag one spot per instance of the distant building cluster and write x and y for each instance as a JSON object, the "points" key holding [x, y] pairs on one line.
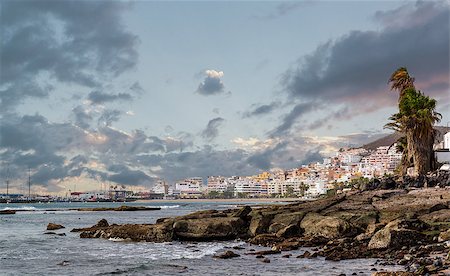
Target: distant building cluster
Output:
{"points": [[310, 180]]}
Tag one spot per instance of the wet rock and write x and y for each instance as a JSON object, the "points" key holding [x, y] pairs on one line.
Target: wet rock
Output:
{"points": [[54, 226], [102, 223], [265, 239], [206, 229], [260, 223], [64, 263], [275, 227], [392, 273], [286, 256], [444, 236], [265, 260], [243, 212], [264, 252], [305, 254], [328, 227], [53, 233], [289, 231], [394, 238], [227, 255]]}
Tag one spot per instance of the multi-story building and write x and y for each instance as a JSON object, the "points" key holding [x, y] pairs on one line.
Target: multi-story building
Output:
{"points": [[216, 184], [189, 187]]}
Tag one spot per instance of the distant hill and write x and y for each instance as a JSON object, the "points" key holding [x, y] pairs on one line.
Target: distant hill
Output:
{"points": [[392, 138]]}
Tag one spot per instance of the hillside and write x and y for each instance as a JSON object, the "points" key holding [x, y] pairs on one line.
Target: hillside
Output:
{"points": [[392, 138]]}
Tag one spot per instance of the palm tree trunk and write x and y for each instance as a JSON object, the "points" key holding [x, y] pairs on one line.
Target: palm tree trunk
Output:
{"points": [[422, 151]]}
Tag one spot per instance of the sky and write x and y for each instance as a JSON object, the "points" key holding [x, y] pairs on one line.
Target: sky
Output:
{"points": [[96, 93]]}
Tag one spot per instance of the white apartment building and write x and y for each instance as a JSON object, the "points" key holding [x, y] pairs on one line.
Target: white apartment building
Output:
{"points": [[217, 184], [250, 187], [161, 187], [189, 187], [383, 161]]}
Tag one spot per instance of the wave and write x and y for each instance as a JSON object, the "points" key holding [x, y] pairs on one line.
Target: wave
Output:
{"points": [[165, 206], [21, 208]]}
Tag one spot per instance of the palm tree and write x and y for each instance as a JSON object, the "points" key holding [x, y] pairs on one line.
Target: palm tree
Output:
{"points": [[401, 80], [416, 118]]}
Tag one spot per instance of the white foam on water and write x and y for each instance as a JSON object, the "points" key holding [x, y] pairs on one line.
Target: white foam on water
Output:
{"points": [[116, 239], [165, 206], [24, 208]]}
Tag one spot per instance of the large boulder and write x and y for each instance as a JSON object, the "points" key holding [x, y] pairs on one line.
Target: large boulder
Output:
{"points": [[260, 222], [397, 234], [219, 228], [135, 232], [315, 224]]}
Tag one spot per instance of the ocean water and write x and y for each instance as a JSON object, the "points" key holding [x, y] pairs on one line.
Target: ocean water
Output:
{"points": [[26, 250]]}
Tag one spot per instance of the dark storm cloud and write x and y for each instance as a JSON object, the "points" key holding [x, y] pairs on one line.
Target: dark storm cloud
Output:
{"points": [[212, 129], [260, 110], [124, 175], [97, 97], [75, 42], [264, 159], [353, 70], [357, 65], [212, 84], [312, 156], [289, 120]]}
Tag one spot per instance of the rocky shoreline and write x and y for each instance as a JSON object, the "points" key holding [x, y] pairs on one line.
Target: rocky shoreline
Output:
{"points": [[409, 226]]}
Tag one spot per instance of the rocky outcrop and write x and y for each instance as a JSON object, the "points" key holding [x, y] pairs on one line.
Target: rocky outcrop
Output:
{"points": [[119, 209], [398, 233], [315, 224], [223, 228], [398, 224], [54, 226]]}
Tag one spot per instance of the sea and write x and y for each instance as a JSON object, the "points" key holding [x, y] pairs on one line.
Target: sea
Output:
{"points": [[26, 250]]}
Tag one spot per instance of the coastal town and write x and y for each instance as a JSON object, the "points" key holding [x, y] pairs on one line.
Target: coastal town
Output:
{"points": [[334, 174]]}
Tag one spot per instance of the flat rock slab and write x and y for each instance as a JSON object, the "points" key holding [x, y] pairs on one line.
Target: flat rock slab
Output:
{"points": [[121, 208]]}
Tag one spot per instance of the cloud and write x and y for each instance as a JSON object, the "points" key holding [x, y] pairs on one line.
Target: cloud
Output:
{"points": [[212, 129], [124, 175], [341, 72], [67, 42], [259, 110], [284, 9], [212, 84], [97, 97], [289, 120]]}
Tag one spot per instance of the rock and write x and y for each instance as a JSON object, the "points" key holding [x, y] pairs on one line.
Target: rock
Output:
{"points": [[64, 263], [238, 247], [264, 252], [288, 218], [102, 223], [444, 236], [265, 260], [275, 227], [135, 232], [54, 226], [265, 239], [392, 273], [120, 209], [437, 207], [289, 231], [286, 256], [394, 238], [260, 223], [243, 212], [218, 228], [53, 233], [227, 255], [305, 254], [328, 227], [287, 245]]}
